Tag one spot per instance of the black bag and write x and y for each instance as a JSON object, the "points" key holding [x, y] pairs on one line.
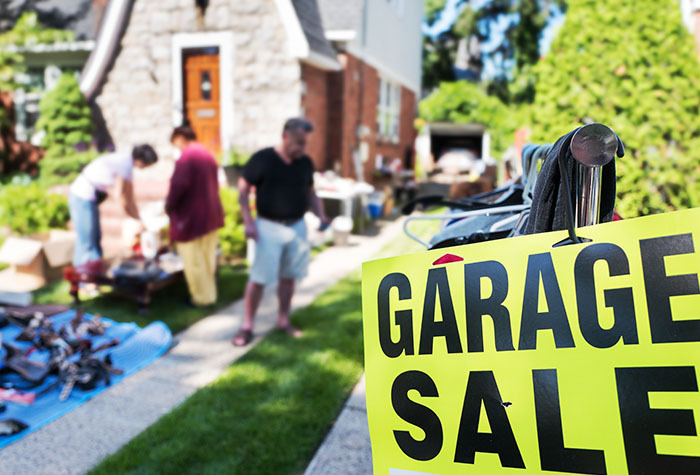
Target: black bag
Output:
{"points": [[100, 196]]}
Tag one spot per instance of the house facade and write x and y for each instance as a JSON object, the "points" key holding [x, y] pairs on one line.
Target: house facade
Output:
{"points": [[237, 70], [371, 102]]}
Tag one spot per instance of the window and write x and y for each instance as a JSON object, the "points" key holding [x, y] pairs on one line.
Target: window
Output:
{"points": [[388, 110]]}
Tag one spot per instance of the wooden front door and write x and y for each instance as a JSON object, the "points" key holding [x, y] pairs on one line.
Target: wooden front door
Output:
{"points": [[202, 93]]}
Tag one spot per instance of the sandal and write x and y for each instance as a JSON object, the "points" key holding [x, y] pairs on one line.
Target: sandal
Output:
{"points": [[243, 337], [290, 330]]}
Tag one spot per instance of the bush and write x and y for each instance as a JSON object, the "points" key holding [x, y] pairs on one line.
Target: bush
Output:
{"points": [[65, 117], [29, 209], [63, 169], [235, 157], [630, 64], [232, 235]]}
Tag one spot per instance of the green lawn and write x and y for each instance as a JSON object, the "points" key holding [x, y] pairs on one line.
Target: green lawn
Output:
{"points": [[268, 412], [167, 304]]}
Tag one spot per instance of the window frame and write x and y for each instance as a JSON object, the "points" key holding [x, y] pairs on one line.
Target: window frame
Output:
{"points": [[389, 110]]}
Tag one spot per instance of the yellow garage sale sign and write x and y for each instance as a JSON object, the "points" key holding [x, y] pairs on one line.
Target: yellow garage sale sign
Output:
{"points": [[514, 356]]}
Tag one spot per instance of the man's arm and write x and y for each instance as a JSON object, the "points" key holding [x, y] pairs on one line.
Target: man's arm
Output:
{"points": [[317, 206], [251, 231], [124, 190]]}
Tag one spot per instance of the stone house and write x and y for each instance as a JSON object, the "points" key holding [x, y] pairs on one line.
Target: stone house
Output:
{"points": [[236, 70]]}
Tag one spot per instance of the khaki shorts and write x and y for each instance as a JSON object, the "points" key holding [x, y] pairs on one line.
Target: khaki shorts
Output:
{"points": [[281, 252]]}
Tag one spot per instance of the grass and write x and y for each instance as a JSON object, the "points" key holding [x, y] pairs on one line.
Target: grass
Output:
{"points": [[166, 305], [268, 412]]}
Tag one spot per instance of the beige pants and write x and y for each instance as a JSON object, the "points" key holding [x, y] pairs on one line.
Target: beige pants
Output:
{"points": [[199, 259]]}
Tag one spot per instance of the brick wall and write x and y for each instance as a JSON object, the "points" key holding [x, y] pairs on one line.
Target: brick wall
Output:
{"points": [[314, 102], [353, 119]]}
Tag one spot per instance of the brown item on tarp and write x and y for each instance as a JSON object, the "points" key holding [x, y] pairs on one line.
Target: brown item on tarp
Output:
{"points": [[33, 372], [29, 311]]}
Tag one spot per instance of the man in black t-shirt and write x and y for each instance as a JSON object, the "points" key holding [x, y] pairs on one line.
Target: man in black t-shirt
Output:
{"points": [[283, 181]]}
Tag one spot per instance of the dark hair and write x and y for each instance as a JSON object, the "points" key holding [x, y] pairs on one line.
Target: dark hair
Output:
{"points": [[298, 123], [184, 131], [145, 154]]}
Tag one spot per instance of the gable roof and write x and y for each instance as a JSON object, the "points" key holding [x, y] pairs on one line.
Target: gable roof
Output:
{"points": [[310, 19]]}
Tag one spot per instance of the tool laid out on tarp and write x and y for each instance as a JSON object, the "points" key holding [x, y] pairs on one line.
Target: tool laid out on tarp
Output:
{"points": [[51, 363]]}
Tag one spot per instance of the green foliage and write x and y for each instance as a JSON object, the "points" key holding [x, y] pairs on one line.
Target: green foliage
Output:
{"points": [[64, 116], [58, 168], [232, 236], [431, 8], [524, 22], [26, 32], [463, 102], [438, 61], [29, 31], [630, 64], [29, 209], [235, 157]]}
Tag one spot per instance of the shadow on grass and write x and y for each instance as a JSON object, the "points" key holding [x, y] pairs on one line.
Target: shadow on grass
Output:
{"points": [[269, 411], [167, 305]]}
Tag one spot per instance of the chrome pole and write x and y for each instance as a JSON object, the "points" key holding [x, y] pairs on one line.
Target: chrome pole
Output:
{"points": [[593, 146]]}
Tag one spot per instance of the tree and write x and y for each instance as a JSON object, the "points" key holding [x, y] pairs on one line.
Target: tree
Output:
{"points": [[519, 46], [14, 156], [630, 64], [64, 116]]}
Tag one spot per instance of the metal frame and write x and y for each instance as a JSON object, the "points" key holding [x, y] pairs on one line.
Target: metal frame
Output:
{"points": [[463, 214]]}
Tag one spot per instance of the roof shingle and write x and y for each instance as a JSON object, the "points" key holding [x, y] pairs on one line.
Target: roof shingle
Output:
{"points": [[310, 19]]}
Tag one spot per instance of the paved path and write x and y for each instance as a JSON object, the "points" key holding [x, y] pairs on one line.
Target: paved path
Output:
{"points": [[82, 438], [346, 449]]}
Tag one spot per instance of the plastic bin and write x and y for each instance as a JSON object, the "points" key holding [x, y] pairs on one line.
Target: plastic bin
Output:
{"points": [[375, 204], [342, 225]]}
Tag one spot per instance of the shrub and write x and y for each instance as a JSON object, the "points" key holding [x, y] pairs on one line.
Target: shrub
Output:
{"points": [[630, 64], [29, 209], [235, 157], [57, 169], [65, 117], [232, 236]]}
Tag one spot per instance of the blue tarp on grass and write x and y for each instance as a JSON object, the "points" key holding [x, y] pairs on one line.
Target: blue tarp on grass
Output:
{"points": [[137, 348]]}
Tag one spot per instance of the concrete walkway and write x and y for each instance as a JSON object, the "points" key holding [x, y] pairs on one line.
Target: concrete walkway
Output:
{"points": [[82, 438], [346, 449]]}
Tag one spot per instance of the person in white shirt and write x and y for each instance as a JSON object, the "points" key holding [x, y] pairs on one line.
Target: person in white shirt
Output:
{"points": [[90, 188]]}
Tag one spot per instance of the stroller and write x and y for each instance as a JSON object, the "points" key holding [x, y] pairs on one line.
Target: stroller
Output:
{"points": [[564, 185]]}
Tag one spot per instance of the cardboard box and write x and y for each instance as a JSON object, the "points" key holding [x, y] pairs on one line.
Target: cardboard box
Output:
{"points": [[35, 260]]}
